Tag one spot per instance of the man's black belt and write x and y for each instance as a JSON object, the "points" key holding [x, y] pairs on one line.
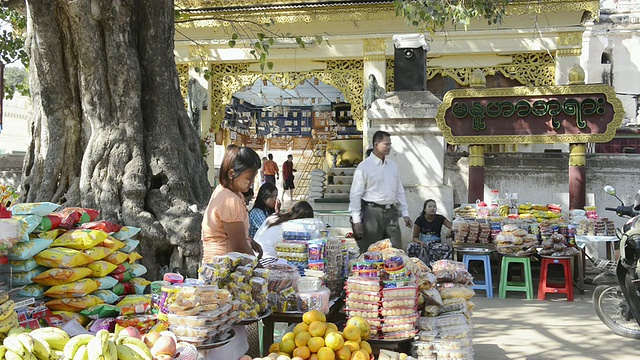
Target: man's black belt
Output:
{"points": [[381, 206]]}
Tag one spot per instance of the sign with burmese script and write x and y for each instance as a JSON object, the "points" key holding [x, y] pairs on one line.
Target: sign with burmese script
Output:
{"points": [[529, 115]]}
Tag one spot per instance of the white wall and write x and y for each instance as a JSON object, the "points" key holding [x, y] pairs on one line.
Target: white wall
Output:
{"points": [[15, 137]]}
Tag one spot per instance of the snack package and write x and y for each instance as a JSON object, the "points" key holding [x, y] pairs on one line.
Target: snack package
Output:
{"points": [[38, 208], [134, 304], [117, 257], [35, 291], [112, 243], [108, 324], [80, 239], [101, 268], [129, 245], [51, 234], [28, 223], [23, 265], [108, 296], [104, 225], [62, 257], [74, 304], [105, 282], [58, 276], [75, 289], [126, 232], [101, 311], [27, 250], [67, 316], [49, 222], [25, 278], [98, 252]]}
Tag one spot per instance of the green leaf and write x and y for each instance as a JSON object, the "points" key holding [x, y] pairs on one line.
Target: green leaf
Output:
{"points": [[232, 43], [197, 69], [271, 41], [270, 65], [260, 36], [257, 45], [234, 36], [318, 39]]}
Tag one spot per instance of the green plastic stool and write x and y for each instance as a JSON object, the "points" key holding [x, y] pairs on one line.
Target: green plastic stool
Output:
{"points": [[526, 286]]}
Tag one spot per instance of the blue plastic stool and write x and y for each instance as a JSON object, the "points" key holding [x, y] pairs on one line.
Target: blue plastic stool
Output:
{"points": [[487, 284]]}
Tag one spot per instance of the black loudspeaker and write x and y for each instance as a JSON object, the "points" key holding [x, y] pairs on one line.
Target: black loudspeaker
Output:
{"points": [[410, 69]]}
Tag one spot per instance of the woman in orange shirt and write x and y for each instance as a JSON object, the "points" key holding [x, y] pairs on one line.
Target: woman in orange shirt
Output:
{"points": [[225, 226]]}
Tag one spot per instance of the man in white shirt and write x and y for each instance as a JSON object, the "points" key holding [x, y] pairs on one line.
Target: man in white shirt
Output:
{"points": [[377, 197]]}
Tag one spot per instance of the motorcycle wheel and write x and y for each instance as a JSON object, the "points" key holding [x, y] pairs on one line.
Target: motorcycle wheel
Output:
{"points": [[612, 309]]}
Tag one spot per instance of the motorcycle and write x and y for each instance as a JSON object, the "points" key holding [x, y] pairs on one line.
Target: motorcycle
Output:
{"points": [[616, 298]]}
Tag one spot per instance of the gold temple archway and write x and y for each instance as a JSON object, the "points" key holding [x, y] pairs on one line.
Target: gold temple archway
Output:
{"points": [[229, 78]]}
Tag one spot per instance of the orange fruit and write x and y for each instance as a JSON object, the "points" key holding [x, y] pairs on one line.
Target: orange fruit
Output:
{"points": [[287, 346], [302, 338], [313, 356], [334, 341], [343, 353], [288, 336], [362, 324], [366, 346], [315, 343], [359, 355], [332, 326], [352, 345], [302, 352], [317, 328], [301, 327], [313, 315], [351, 332], [274, 348], [326, 354]]}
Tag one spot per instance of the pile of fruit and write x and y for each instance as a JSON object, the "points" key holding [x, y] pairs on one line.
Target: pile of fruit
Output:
{"points": [[51, 343], [316, 339]]}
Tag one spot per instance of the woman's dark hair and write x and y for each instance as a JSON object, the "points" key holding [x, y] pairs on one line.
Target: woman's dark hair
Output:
{"points": [[238, 159], [267, 190], [300, 210], [425, 205]]}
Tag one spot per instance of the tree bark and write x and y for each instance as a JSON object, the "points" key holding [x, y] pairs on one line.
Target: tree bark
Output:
{"points": [[110, 130]]}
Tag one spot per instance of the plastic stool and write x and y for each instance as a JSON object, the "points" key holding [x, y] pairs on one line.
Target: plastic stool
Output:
{"points": [[505, 285], [487, 284], [566, 288]]}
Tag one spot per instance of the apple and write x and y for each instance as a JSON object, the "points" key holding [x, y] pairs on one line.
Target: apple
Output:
{"points": [[131, 331], [150, 338]]}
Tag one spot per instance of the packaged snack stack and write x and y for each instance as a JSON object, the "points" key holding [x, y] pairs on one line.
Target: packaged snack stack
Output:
{"points": [[199, 314], [399, 300], [308, 233], [334, 265], [363, 300], [312, 295], [282, 287], [446, 332]]}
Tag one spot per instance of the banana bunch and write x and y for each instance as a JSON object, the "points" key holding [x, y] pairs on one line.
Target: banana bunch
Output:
{"points": [[103, 346], [21, 345], [8, 317]]}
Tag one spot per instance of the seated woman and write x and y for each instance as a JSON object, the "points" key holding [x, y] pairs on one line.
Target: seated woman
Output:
{"points": [[270, 232], [266, 204], [428, 226]]}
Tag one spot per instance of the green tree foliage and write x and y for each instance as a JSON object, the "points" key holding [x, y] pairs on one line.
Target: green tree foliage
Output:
{"points": [[12, 35], [434, 15]]}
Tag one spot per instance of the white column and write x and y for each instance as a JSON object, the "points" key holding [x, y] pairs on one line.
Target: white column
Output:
{"points": [[375, 63], [567, 54]]}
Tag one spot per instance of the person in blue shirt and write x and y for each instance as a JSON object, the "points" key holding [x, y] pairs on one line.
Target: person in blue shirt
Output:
{"points": [[428, 226], [266, 204]]}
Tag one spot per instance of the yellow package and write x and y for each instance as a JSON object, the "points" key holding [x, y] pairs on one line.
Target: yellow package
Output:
{"points": [[80, 239], [51, 234], [112, 243], [69, 315], [74, 304], [134, 304], [101, 268], [117, 257], [133, 257], [75, 289], [62, 257], [57, 276], [98, 252]]}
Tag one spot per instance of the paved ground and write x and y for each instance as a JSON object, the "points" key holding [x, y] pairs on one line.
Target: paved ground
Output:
{"points": [[516, 328]]}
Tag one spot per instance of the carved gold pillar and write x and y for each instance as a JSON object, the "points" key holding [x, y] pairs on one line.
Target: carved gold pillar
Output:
{"points": [[476, 173], [476, 152], [375, 63], [568, 54], [577, 156]]}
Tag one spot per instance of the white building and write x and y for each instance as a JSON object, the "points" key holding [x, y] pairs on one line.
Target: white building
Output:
{"points": [[611, 52], [15, 135]]}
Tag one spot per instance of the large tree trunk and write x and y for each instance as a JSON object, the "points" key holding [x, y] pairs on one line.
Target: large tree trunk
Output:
{"points": [[110, 130]]}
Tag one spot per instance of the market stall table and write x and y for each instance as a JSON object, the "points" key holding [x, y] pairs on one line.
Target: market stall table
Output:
{"points": [[334, 315]]}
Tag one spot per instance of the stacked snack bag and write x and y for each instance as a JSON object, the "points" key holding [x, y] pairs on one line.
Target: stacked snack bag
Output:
{"points": [[445, 327], [383, 290], [237, 273], [303, 244]]}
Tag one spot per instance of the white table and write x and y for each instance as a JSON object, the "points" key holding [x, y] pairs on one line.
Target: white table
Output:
{"points": [[591, 244]]}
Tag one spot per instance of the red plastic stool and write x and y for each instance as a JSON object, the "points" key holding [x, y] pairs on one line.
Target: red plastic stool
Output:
{"points": [[566, 288]]}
